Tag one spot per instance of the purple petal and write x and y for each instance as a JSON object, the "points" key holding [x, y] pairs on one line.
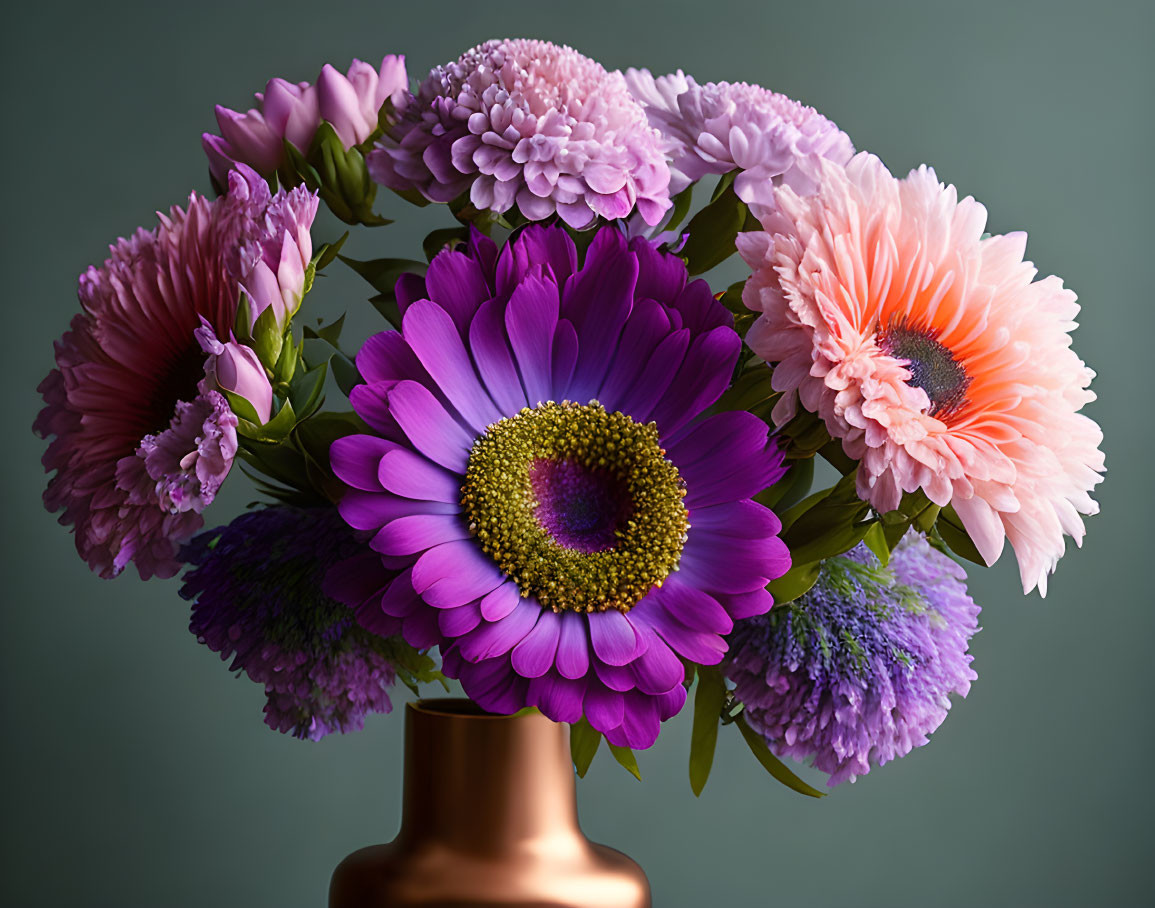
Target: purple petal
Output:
{"points": [[487, 341], [604, 707], [534, 655], [354, 458], [371, 404], [712, 562], [454, 280], [372, 510], [410, 535], [408, 474], [400, 600], [500, 602], [558, 698], [565, 351], [658, 670], [695, 609], [660, 276], [654, 382], [421, 629], [615, 677], [530, 319], [430, 332], [490, 684], [499, 637], [747, 605], [613, 637], [454, 622], [697, 646], [386, 357], [644, 330], [704, 375], [431, 430], [725, 457], [454, 573], [640, 724], [573, 657]]}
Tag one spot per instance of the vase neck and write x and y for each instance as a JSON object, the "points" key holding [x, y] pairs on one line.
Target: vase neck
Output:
{"points": [[482, 783]]}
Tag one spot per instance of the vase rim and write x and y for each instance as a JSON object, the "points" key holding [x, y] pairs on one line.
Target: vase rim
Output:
{"points": [[457, 708]]}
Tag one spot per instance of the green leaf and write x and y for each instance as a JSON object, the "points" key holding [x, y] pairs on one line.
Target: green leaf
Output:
{"points": [[277, 428], [439, 239], [328, 252], [771, 763], [286, 364], [836, 539], [584, 741], [242, 407], [626, 757], [386, 305], [268, 338], [713, 231], [791, 488], [709, 699], [382, 274], [331, 333], [954, 534], [724, 183], [833, 454], [243, 322], [345, 373], [875, 540], [681, 208], [751, 388], [794, 583], [305, 390]]}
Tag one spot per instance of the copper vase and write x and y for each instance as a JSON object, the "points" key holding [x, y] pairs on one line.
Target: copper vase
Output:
{"points": [[489, 818]]}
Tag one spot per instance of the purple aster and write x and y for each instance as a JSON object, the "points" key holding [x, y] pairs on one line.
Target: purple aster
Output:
{"points": [[548, 502], [528, 123], [723, 126], [256, 587], [859, 670]]}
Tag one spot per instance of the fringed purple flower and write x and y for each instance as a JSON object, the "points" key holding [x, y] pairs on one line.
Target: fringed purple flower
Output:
{"points": [[859, 670], [142, 443], [256, 589], [723, 126], [288, 112], [549, 505], [531, 124]]}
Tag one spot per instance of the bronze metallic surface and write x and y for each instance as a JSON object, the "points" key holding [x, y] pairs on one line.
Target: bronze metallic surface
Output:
{"points": [[489, 818]]}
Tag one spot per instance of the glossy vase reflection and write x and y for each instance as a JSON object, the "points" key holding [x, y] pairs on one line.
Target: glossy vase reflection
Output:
{"points": [[489, 818]]}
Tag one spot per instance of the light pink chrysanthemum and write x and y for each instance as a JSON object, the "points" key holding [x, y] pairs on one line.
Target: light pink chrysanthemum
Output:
{"points": [[142, 442], [529, 123], [931, 352], [349, 102], [723, 126]]}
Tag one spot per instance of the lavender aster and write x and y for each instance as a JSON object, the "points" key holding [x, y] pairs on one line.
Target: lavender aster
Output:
{"points": [[257, 599], [723, 126], [528, 123], [859, 670]]}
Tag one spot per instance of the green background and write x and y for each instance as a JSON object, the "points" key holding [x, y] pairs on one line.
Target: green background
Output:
{"points": [[136, 770]]}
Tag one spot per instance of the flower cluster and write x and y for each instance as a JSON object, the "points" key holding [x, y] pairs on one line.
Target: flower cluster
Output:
{"points": [[577, 474]]}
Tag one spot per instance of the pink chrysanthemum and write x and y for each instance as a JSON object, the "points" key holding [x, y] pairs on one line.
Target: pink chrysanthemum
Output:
{"points": [[723, 126], [931, 352], [528, 123], [142, 442]]}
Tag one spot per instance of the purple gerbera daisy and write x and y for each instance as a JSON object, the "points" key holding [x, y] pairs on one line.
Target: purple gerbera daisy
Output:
{"points": [[256, 587], [859, 670], [550, 505], [529, 123]]}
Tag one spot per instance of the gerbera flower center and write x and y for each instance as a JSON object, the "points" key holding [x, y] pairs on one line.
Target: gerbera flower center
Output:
{"points": [[932, 366], [577, 505]]}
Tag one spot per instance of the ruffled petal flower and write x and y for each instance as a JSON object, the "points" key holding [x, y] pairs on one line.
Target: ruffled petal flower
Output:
{"points": [[858, 671], [548, 504], [932, 353], [292, 112], [257, 591], [140, 443], [723, 126], [532, 124]]}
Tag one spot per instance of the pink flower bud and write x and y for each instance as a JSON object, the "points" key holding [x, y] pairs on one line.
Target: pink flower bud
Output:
{"points": [[235, 368], [340, 106], [291, 111]]}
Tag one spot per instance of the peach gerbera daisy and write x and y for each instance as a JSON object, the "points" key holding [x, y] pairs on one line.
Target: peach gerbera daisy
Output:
{"points": [[931, 352]]}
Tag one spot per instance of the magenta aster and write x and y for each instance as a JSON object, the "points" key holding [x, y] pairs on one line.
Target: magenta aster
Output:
{"points": [[531, 124], [142, 442], [549, 504], [723, 126]]}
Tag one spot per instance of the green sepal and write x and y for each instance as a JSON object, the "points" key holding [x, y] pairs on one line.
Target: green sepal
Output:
{"points": [[794, 583], [268, 338], [626, 758], [771, 763], [713, 231], [709, 701], [286, 365], [950, 528], [584, 741], [243, 321], [345, 185], [242, 407], [275, 430]]}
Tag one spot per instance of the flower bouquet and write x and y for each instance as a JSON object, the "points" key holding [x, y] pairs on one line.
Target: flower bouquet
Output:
{"points": [[583, 477]]}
